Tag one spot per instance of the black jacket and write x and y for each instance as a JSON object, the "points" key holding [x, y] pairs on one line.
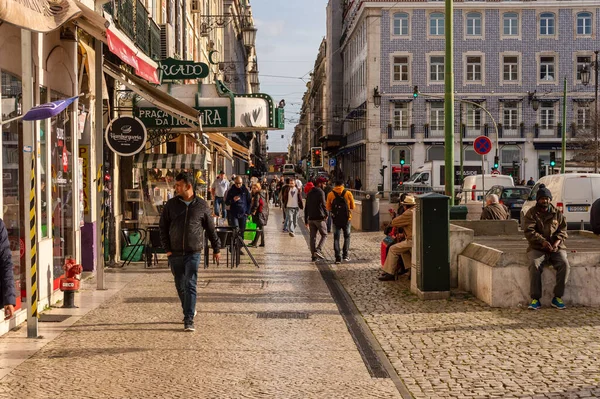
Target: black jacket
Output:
{"points": [[7, 280], [181, 226], [240, 208], [315, 208], [595, 216]]}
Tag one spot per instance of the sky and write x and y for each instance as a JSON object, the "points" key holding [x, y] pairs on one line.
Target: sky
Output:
{"points": [[287, 44]]}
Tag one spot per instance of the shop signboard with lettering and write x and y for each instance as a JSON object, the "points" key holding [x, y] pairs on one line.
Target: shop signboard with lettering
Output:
{"points": [[126, 135], [157, 118], [172, 69]]}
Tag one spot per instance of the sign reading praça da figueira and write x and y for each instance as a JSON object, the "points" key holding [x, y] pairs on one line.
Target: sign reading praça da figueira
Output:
{"points": [[157, 118], [172, 69]]}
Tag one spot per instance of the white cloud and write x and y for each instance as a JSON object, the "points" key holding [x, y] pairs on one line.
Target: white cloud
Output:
{"points": [[272, 28]]}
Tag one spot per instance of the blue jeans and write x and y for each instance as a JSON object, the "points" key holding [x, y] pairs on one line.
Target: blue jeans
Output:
{"points": [[219, 205], [185, 271], [239, 222], [336, 240], [291, 219]]}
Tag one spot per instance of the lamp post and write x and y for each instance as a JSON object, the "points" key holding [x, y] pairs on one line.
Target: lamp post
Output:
{"points": [[585, 79]]}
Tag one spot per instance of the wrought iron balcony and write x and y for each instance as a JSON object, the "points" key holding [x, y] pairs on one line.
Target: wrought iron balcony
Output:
{"points": [[154, 40], [125, 20], [142, 28], [133, 19]]}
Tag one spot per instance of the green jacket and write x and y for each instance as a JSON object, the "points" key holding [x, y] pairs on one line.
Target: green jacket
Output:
{"points": [[540, 226]]}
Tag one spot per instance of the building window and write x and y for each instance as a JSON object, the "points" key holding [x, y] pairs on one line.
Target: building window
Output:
{"points": [[436, 69], [474, 69], [547, 115], [510, 117], [436, 153], [473, 120], [584, 23], [436, 24], [547, 68], [547, 24], [511, 68], [471, 155], [400, 69], [582, 61], [510, 21], [436, 116], [400, 117], [473, 24], [401, 24], [583, 116]]}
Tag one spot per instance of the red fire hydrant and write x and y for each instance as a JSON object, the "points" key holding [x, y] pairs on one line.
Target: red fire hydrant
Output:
{"points": [[70, 282]]}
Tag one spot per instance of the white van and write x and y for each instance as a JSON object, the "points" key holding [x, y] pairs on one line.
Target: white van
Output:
{"points": [[288, 169], [473, 188], [572, 193]]}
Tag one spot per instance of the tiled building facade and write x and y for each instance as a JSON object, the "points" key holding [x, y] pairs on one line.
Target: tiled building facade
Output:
{"points": [[505, 55]]}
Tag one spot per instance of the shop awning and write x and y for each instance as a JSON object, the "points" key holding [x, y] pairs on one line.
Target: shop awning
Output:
{"points": [[38, 15], [122, 47], [170, 161], [180, 111], [92, 22], [237, 150]]}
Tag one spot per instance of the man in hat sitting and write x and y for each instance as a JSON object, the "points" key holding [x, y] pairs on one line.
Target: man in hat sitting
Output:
{"points": [[404, 247], [545, 228]]}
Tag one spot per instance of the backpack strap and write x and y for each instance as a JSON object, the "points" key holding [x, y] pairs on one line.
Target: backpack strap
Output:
{"points": [[343, 195]]}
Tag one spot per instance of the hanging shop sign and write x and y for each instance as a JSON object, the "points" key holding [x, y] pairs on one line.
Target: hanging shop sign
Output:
{"points": [[126, 135], [172, 69], [157, 118]]}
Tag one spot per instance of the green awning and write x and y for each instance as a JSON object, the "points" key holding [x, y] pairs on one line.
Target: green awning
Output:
{"points": [[170, 161]]}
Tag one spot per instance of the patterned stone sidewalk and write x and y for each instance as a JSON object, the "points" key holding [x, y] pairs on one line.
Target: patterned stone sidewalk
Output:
{"points": [[134, 346], [461, 348]]}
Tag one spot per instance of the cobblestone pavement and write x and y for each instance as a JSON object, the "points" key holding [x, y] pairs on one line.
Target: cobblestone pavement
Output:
{"points": [[134, 346], [462, 348]]}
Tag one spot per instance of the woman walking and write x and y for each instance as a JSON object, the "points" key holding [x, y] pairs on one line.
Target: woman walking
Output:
{"points": [[259, 212]]}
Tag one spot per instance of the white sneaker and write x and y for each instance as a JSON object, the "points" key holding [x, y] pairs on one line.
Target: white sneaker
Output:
{"points": [[292, 234]]}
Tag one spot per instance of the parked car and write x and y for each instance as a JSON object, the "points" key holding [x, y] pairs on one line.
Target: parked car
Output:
{"points": [[512, 197], [572, 193], [289, 169]]}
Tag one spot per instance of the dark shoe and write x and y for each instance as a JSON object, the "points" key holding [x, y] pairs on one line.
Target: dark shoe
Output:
{"points": [[261, 245], [387, 277], [313, 259], [338, 261], [189, 326]]}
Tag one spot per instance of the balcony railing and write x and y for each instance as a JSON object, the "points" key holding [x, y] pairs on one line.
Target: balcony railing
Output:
{"points": [[355, 136], [125, 20], [399, 133], [142, 28]]}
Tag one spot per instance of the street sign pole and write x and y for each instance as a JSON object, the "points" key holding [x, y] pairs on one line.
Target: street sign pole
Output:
{"points": [[482, 181]]}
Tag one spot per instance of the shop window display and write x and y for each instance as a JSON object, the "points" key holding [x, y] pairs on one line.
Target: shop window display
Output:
{"points": [[11, 132], [62, 186]]}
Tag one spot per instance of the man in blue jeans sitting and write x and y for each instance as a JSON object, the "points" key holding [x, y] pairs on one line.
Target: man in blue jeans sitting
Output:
{"points": [[182, 222]]}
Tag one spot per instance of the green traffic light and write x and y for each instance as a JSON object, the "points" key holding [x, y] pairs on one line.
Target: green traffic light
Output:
{"points": [[402, 162], [552, 163]]}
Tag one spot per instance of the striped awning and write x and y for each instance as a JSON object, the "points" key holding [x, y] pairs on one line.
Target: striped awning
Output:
{"points": [[170, 161]]}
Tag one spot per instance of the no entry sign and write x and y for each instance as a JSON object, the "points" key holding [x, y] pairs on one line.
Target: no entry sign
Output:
{"points": [[482, 145]]}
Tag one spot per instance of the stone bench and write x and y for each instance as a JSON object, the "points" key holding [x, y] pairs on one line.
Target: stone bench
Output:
{"points": [[496, 270]]}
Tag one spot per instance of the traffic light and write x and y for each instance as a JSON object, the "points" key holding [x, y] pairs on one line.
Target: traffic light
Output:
{"points": [[383, 168], [308, 163], [316, 157], [248, 170], [402, 160], [496, 162], [552, 159], [416, 92]]}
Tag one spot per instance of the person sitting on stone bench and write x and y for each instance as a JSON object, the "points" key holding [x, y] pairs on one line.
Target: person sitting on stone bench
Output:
{"points": [[403, 248], [494, 210], [545, 228]]}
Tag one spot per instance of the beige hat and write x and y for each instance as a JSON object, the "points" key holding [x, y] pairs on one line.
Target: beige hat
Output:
{"points": [[409, 200]]}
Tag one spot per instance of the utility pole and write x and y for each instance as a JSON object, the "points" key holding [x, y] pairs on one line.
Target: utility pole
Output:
{"points": [[449, 101], [564, 129], [597, 152]]}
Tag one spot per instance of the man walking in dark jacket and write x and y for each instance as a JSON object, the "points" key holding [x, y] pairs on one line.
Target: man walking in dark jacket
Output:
{"points": [[239, 200], [315, 217], [7, 280], [182, 222]]}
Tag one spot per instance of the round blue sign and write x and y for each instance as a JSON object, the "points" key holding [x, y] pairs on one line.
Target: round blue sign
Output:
{"points": [[482, 145]]}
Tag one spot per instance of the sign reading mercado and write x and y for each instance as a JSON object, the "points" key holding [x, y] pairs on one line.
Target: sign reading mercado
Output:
{"points": [[172, 69], [126, 135], [157, 118]]}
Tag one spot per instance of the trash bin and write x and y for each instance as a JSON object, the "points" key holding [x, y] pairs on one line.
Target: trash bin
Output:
{"points": [[370, 212], [458, 212], [432, 232]]}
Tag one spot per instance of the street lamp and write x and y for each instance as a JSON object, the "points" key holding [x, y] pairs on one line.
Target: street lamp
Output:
{"points": [[585, 79], [533, 100], [376, 97], [249, 36]]}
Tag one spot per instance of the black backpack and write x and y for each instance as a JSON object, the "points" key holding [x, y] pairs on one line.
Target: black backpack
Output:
{"points": [[339, 210]]}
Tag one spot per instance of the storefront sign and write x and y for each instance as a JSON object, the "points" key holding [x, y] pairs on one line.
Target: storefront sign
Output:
{"points": [[155, 117], [84, 154], [172, 69], [126, 135]]}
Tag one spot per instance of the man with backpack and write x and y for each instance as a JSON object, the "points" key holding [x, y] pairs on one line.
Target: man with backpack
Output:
{"points": [[315, 216], [340, 203]]}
